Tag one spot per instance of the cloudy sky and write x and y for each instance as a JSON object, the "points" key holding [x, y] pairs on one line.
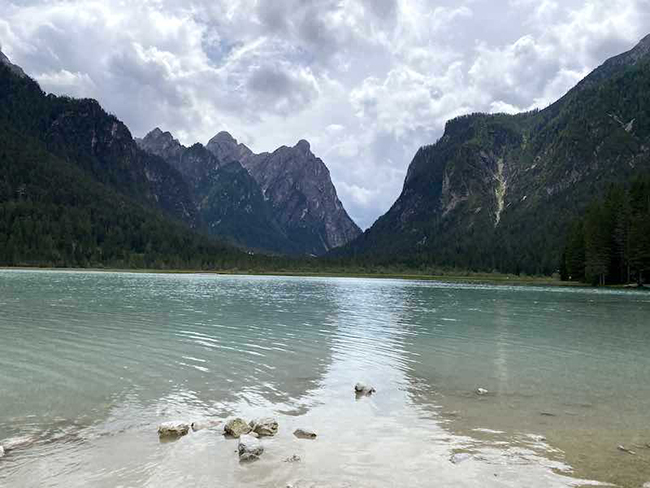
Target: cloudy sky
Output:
{"points": [[365, 81]]}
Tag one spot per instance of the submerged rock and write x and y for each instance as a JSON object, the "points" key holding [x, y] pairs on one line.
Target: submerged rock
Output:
{"points": [[249, 448], [482, 391], [363, 389], [293, 459], [625, 449], [205, 424], [305, 434], [460, 457], [18, 443], [265, 427], [236, 428], [173, 429]]}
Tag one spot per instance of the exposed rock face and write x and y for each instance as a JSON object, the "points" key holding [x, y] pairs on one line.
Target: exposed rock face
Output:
{"points": [[292, 207], [173, 429], [236, 428], [298, 186], [265, 427], [499, 192], [249, 448], [226, 148], [227, 199]]}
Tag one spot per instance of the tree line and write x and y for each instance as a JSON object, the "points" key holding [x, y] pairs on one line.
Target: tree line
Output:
{"points": [[610, 243]]}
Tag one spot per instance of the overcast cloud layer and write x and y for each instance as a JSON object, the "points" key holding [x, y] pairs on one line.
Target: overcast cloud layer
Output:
{"points": [[365, 81]]}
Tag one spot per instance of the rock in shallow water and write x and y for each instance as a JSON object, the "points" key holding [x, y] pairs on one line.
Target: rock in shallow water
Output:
{"points": [[482, 391], [18, 443], [265, 427], [2, 451], [305, 434], [237, 428], [460, 457], [205, 424], [363, 389], [173, 429], [249, 448], [293, 459]]}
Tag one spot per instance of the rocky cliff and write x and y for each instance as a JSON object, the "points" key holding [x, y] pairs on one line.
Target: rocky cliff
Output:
{"points": [[227, 199], [299, 188]]}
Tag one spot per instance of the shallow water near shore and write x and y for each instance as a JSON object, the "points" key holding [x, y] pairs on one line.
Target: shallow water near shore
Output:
{"points": [[91, 363]]}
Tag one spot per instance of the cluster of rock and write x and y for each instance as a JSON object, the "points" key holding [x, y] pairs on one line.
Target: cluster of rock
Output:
{"points": [[250, 447]]}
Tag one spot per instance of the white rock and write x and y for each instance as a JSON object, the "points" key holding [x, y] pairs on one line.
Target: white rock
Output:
{"points": [[265, 427], [305, 434], [363, 389], [2, 451], [460, 457], [18, 443], [173, 429], [249, 448], [206, 424], [646, 485], [481, 391]]}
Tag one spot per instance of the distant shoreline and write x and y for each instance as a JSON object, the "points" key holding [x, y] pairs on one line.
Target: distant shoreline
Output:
{"points": [[477, 278]]}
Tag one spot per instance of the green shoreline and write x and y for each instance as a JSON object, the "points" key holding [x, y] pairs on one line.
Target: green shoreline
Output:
{"points": [[475, 278]]}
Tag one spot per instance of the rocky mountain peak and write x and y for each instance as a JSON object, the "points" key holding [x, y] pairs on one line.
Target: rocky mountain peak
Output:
{"points": [[226, 148], [303, 146], [16, 69], [159, 143]]}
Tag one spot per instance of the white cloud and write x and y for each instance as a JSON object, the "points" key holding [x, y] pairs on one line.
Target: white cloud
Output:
{"points": [[366, 81]]}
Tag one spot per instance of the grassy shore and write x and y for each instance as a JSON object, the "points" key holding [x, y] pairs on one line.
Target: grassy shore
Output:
{"points": [[469, 277]]}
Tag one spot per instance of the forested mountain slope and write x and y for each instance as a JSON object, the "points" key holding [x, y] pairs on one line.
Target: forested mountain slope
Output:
{"points": [[498, 192], [75, 190]]}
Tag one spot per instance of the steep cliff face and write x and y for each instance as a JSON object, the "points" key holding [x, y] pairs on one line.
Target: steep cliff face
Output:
{"points": [[298, 186], [498, 191], [229, 202]]}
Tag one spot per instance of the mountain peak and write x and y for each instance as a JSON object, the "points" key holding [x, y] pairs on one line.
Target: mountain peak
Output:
{"points": [[303, 146], [223, 137], [226, 148]]}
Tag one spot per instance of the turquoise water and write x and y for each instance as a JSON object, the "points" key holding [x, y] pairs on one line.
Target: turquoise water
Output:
{"points": [[91, 363]]}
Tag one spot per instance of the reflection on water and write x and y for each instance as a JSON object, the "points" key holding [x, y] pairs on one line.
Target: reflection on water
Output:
{"points": [[90, 363]]}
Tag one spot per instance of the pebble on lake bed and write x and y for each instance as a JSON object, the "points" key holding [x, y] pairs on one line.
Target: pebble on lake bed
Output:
{"points": [[293, 459], [249, 448], [2, 451], [482, 391], [625, 449], [173, 429], [305, 434], [236, 428], [362, 389]]}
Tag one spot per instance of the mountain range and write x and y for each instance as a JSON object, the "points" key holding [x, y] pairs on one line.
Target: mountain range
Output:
{"points": [[282, 201], [495, 192]]}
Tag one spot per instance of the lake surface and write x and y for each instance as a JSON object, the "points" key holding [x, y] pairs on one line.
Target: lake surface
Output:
{"points": [[91, 363]]}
